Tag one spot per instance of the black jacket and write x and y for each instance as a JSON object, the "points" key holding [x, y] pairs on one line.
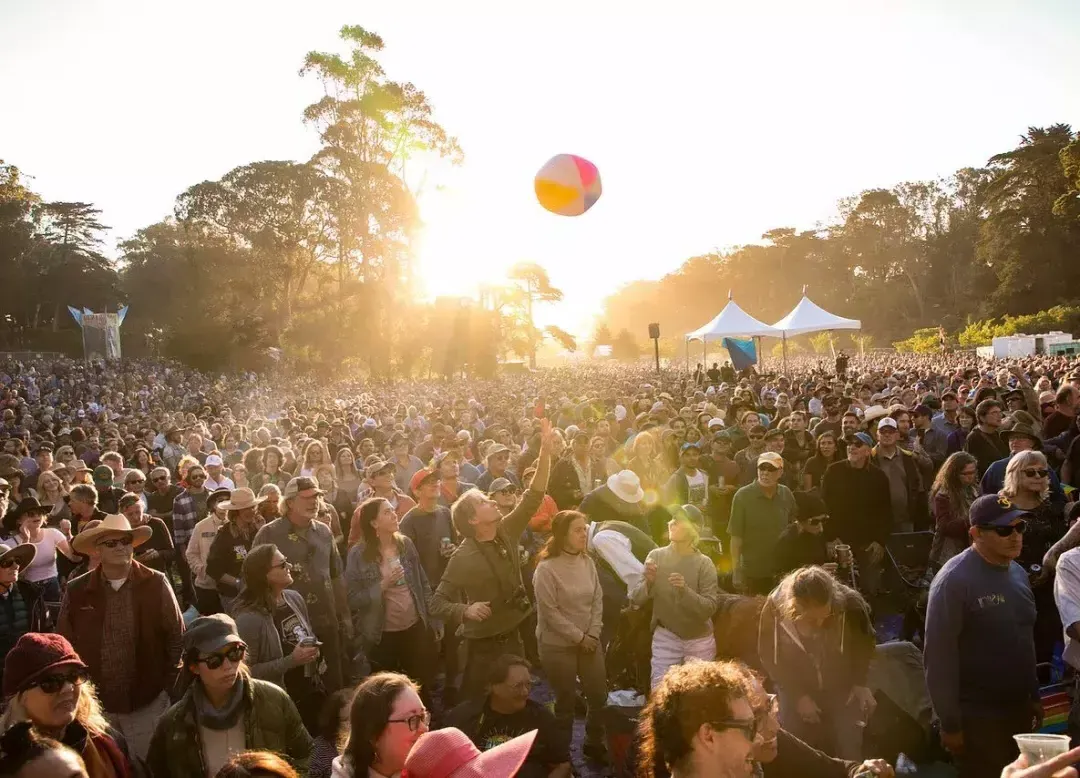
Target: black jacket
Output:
{"points": [[795, 759], [860, 509]]}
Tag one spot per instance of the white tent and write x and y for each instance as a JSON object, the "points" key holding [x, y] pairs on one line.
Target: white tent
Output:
{"points": [[810, 317], [733, 322]]}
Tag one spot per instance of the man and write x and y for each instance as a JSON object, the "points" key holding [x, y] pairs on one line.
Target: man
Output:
{"points": [[43, 460], [802, 543], [983, 442], [948, 421], [406, 465], [497, 460], [158, 551], [189, 508], [906, 491], [115, 462], [980, 599], [858, 497], [5, 497], [776, 441], [1067, 598], [160, 495], [215, 474], [621, 498], [833, 409], [124, 621], [689, 484], [714, 374], [197, 554], [82, 502], [506, 712], [432, 447], [1020, 437], [759, 513], [482, 584], [747, 458], [108, 496], [1065, 402], [309, 545], [933, 441]]}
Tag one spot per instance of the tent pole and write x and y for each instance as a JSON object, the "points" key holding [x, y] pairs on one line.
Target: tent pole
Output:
{"points": [[783, 346]]}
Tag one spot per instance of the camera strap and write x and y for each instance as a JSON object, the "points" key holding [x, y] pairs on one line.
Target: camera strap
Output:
{"points": [[494, 570]]}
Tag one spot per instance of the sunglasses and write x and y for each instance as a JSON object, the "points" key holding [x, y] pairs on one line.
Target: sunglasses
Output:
{"points": [[771, 708], [161, 478], [767, 469], [415, 721], [757, 437], [1019, 527], [116, 542], [1037, 473], [53, 684], [748, 727], [234, 655], [815, 522], [6, 563], [285, 564]]}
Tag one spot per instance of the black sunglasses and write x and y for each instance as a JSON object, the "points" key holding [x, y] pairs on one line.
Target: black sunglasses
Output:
{"points": [[415, 721], [53, 684], [748, 727], [161, 478], [767, 468], [1036, 472], [815, 522], [234, 655], [6, 563], [1020, 527], [114, 542]]}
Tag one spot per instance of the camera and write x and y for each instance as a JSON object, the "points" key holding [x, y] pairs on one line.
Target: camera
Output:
{"points": [[519, 599]]}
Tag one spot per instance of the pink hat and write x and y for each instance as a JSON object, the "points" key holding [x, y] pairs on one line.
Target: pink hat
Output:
{"points": [[448, 753]]}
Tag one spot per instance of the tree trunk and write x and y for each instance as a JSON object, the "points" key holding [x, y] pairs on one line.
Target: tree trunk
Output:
{"points": [[56, 318]]}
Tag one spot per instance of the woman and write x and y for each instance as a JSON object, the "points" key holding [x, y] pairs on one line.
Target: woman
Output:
{"points": [[816, 640], [273, 463], [389, 595], [569, 613], [1027, 485], [223, 711], [253, 464], [25, 611], [643, 462], [197, 554], [225, 558], [449, 753], [47, 684], [681, 582], [26, 754], [333, 725], [240, 476], [270, 508], [51, 493], [256, 764], [16, 491], [816, 465], [26, 526], [273, 621], [967, 419], [955, 488], [348, 478], [315, 454], [572, 477], [328, 513], [142, 461], [386, 720]]}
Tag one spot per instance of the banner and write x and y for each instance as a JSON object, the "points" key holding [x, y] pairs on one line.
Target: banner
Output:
{"points": [[743, 352]]}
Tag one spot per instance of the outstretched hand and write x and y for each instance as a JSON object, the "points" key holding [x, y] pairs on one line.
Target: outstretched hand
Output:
{"points": [[547, 437]]}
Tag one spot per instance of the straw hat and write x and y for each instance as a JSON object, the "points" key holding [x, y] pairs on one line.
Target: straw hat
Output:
{"points": [[240, 499], [85, 541]]}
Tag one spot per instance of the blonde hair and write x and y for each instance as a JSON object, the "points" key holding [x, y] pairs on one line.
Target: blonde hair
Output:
{"points": [[1019, 462], [311, 446], [464, 508], [87, 712]]}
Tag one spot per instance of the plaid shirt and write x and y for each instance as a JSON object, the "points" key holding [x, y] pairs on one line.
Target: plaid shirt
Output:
{"points": [[188, 510]]}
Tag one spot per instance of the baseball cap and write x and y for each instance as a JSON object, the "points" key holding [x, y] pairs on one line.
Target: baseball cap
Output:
{"points": [[923, 410], [995, 510], [208, 634], [716, 423], [301, 483], [770, 458], [499, 484], [214, 461], [377, 467], [689, 445], [103, 473], [420, 477], [860, 439], [887, 422]]}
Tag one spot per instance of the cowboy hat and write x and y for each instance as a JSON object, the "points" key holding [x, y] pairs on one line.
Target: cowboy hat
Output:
{"points": [[85, 541], [28, 505], [240, 499], [626, 486], [23, 553], [874, 412]]}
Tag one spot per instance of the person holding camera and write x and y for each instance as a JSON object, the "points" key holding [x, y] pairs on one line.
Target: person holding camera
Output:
{"points": [[482, 584]]}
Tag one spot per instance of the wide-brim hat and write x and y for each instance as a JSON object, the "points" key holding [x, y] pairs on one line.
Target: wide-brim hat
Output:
{"points": [[85, 541], [626, 486], [875, 412], [449, 753], [241, 499], [498, 448], [23, 553], [1026, 430], [28, 505]]}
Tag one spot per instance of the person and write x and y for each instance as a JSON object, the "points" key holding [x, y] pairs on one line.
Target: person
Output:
{"points": [[682, 584], [448, 753], [386, 720], [272, 620], [506, 712], [572, 476], [26, 754], [569, 609], [257, 764], [317, 570], [621, 498], [389, 596], [856, 493], [760, 511], [224, 710], [231, 544], [207, 597], [215, 474], [827, 453], [108, 495], [482, 585], [497, 463], [984, 441], [802, 543], [1067, 599], [161, 496], [816, 640], [698, 722], [951, 496], [47, 684], [689, 484], [21, 606], [189, 508], [1019, 437], [25, 524], [906, 491], [981, 597], [332, 726], [124, 619], [158, 551]]}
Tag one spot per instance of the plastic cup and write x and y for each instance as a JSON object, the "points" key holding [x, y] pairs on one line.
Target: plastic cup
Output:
{"points": [[843, 554], [1039, 748]]}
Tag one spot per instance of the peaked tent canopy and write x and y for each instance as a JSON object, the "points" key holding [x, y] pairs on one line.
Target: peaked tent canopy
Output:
{"points": [[733, 322], [809, 317]]}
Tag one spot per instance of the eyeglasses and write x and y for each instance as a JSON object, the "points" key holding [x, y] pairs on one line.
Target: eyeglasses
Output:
{"points": [[771, 708], [522, 686], [748, 727], [53, 684], [137, 481], [6, 563], [815, 522], [415, 721], [234, 655], [1036, 472], [1019, 527], [115, 542], [161, 478]]}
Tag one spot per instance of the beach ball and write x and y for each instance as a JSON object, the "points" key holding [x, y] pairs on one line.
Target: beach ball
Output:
{"points": [[568, 185]]}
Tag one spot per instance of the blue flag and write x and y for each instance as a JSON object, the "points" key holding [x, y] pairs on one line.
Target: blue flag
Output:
{"points": [[743, 352], [76, 314]]}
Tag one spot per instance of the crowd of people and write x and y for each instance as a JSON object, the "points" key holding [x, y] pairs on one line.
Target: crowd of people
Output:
{"points": [[236, 575]]}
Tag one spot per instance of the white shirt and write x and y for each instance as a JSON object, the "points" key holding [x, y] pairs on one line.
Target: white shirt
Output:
{"points": [[224, 483], [614, 548], [1067, 597]]}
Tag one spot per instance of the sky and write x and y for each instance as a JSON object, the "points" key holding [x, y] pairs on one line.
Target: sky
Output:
{"points": [[711, 122]]}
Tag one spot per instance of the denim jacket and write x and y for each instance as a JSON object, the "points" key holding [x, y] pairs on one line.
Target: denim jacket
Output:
{"points": [[363, 584]]}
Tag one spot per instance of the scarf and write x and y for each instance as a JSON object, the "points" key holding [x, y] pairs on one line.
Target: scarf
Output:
{"points": [[220, 718]]}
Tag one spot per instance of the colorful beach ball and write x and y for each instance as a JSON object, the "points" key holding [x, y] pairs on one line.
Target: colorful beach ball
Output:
{"points": [[568, 185]]}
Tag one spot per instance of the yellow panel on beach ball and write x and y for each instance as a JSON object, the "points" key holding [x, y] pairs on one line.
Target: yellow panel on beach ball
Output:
{"points": [[568, 185]]}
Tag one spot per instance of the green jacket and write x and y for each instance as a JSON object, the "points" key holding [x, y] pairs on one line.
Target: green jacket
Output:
{"points": [[271, 723]]}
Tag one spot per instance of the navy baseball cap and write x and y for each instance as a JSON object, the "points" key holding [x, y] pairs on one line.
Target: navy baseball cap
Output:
{"points": [[862, 438], [686, 446], [995, 510]]}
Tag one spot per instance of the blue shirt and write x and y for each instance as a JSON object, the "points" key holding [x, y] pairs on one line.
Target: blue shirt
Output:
{"points": [[993, 481]]}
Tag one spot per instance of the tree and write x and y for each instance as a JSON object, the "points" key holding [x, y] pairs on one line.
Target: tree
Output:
{"points": [[822, 343], [625, 347], [536, 287]]}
